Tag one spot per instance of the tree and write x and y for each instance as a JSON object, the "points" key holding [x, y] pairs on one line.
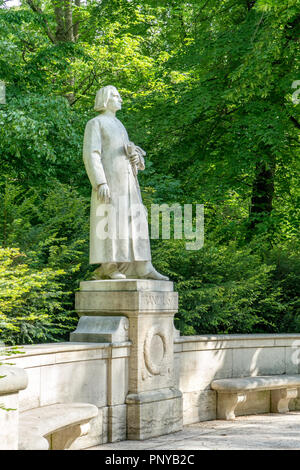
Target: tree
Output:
{"points": [[207, 93]]}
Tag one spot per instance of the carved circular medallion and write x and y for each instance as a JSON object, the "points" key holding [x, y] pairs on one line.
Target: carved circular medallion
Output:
{"points": [[155, 347]]}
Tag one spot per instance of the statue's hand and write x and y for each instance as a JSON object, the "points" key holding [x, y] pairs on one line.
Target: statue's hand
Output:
{"points": [[103, 193], [134, 159]]}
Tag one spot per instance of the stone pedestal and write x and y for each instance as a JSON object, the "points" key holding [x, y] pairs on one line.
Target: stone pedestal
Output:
{"points": [[154, 405]]}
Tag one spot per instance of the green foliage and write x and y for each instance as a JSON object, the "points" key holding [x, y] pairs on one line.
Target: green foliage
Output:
{"points": [[7, 352], [38, 140], [225, 289], [207, 90], [30, 301]]}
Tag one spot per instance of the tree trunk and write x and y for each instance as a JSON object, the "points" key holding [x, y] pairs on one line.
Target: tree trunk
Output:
{"points": [[60, 21], [262, 195], [76, 25], [66, 30], [65, 33], [69, 21]]}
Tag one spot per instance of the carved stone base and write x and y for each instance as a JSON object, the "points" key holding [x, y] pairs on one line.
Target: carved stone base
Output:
{"points": [[141, 311], [227, 403], [62, 440], [95, 329], [152, 414], [280, 399]]}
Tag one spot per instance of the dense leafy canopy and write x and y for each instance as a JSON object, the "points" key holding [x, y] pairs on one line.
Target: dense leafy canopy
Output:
{"points": [[207, 91]]}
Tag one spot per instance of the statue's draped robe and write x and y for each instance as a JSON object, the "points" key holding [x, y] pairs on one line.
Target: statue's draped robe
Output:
{"points": [[125, 222]]}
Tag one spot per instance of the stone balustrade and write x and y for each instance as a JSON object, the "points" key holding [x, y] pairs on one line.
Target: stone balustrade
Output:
{"points": [[98, 373], [201, 359]]}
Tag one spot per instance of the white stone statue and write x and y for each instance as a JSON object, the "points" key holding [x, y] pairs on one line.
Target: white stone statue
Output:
{"points": [[119, 238]]}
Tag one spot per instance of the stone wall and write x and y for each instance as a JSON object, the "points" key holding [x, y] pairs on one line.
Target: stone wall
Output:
{"points": [[95, 373], [98, 373], [201, 359]]}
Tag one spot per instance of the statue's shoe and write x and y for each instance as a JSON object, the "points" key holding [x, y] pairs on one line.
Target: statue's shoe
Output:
{"points": [[117, 275], [155, 275]]}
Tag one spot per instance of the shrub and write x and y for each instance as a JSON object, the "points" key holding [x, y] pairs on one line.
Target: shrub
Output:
{"points": [[229, 289], [30, 301]]}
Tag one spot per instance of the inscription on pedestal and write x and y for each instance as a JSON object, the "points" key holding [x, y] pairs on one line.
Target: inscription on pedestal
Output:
{"points": [[157, 299], [125, 302]]}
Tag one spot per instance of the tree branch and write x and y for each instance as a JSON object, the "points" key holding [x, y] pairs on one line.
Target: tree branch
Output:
{"points": [[84, 91], [250, 4], [295, 122], [38, 10]]}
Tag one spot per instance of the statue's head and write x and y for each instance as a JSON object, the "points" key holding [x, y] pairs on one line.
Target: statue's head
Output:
{"points": [[107, 97]]}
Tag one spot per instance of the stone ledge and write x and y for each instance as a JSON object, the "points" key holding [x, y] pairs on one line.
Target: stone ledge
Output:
{"points": [[12, 379], [57, 353], [126, 285], [217, 342], [103, 329], [153, 396], [52, 348], [125, 302]]}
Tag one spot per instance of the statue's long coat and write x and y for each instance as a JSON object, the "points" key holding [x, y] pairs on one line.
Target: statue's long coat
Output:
{"points": [[105, 161]]}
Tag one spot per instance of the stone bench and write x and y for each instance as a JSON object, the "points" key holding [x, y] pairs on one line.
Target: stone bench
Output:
{"points": [[54, 426], [233, 391]]}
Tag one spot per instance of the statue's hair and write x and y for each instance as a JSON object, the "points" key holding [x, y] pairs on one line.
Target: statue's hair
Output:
{"points": [[102, 97]]}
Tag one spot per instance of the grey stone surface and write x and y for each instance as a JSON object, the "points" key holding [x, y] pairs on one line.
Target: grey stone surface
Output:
{"points": [[240, 341], [127, 285], [13, 379], [84, 381], [262, 432], [101, 329], [256, 383], [256, 403], [200, 368], [99, 373], [154, 418], [258, 361], [125, 302], [117, 423], [97, 434], [9, 421], [232, 391], [35, 425], [154, 406], [199, 406]]}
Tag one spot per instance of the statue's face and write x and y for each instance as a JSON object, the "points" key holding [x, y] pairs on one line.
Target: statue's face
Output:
{"points": [[115, 101]]}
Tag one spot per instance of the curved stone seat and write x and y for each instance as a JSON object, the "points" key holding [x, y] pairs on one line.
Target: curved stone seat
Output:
{"points": [[263, 382], [234, 390], [54, 426]]}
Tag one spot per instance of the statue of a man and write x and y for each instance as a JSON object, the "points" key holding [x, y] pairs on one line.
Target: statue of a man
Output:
{"points": [[119, 238]]}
